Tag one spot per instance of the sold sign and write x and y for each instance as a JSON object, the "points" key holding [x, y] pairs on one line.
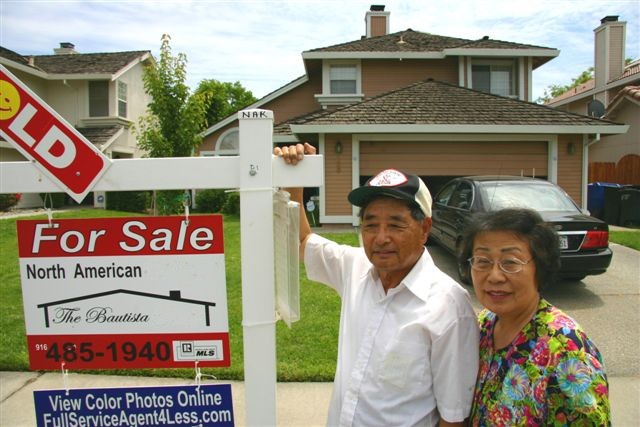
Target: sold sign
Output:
{"points": [[41, 135]]}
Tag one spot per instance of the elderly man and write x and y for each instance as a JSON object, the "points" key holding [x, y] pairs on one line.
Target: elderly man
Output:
{"points": [[408, 344]]}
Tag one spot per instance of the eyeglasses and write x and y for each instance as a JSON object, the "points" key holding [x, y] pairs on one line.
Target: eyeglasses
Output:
{"points": [[508, 265]]}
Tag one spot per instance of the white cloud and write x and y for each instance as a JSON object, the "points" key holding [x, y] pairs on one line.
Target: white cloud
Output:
{"points": [[259, 42]]}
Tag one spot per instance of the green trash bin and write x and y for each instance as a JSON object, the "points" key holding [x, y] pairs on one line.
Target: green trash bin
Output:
{"points": [[630, 206]]}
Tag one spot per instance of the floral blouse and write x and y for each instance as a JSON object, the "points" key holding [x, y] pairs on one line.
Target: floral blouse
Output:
{"points": [[551, 374]]}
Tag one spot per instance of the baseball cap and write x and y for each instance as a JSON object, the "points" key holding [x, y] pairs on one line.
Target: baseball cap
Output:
{"points": [[397, 184]]}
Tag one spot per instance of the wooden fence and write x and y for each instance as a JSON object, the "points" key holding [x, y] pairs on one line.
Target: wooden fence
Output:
{"points": [[626, 171]]}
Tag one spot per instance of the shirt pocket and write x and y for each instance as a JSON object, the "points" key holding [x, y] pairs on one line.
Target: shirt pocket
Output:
{"points": [[403, 363]]}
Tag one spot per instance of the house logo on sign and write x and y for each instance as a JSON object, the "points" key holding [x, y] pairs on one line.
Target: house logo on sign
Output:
{"points": [[59, 312], [41, 135]]}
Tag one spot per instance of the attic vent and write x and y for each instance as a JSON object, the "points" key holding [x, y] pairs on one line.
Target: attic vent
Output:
{"points": [[485, 38]]}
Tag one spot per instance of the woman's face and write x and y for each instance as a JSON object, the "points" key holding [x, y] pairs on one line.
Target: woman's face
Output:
{"points": [[509, 295]]}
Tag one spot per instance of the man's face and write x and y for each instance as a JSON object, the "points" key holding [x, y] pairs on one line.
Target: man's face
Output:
{"points": [[393, 240]]}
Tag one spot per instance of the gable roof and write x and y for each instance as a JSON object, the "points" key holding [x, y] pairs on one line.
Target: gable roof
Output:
{"points": [[415, 44], [433, 106], [628, 93], [80, 64]]}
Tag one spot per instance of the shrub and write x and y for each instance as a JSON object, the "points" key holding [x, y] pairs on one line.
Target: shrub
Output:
{"points": [[54, 200], [210, 200], [8, 200], [232, 204], [128, 201]]}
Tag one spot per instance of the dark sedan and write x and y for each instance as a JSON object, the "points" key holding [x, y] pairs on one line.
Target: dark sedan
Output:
{"points": [[584, 240]]}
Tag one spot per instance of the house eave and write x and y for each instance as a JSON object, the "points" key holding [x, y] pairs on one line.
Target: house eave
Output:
{"points": [[467, 129], [373, 55], [259, 103], [548, 53], [24, 68]]}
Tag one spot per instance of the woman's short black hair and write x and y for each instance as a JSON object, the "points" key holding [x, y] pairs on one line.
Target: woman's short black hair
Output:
{"points": [[526, 223]]}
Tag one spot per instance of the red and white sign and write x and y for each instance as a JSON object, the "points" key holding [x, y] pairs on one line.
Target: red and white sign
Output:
{"points": [[143, 292], [42, 135]]}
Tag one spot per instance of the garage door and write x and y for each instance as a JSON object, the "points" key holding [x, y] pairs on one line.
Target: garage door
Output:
{"points": [[455, 158]]}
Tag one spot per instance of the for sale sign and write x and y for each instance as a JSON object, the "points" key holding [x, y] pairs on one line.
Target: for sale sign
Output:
{"points": [[41, 135], [141, 292]]}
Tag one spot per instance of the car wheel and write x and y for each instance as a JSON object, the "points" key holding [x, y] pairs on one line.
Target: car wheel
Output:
{"points": [[463, 274], [463, 268]]}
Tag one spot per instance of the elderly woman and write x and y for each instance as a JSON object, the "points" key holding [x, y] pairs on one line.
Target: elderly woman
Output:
{"points": [[537, 366]]}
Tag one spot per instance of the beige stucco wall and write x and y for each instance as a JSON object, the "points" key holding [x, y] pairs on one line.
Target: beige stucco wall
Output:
{"points": [[612, 148]]}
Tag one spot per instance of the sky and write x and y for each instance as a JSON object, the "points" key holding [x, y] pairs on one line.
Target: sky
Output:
{"points": [[259, 42]]}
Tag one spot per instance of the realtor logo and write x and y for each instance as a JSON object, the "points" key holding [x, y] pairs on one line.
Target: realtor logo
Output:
{"points": [[197, 350]]}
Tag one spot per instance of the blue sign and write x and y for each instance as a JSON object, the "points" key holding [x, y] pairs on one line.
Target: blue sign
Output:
{"points": [[193, 406]]}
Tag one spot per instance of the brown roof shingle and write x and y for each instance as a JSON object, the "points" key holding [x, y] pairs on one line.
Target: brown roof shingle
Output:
{"points": [[415, 41], [87, 63], [432, 102], [77, 63]]}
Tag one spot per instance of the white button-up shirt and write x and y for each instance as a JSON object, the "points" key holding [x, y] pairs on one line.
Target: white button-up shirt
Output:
{"points": [[406, 357]]}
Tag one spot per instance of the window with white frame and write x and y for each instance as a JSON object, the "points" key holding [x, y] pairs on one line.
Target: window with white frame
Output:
{"points": [[496, 77], [122, 99], [343, 78], [228, 144], [98, 98]]}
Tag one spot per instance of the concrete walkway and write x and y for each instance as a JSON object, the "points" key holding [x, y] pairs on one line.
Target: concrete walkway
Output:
{"points": [[299, 404]]}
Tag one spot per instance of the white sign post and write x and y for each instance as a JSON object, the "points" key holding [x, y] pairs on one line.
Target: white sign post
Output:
{"points": [[255, 173]]}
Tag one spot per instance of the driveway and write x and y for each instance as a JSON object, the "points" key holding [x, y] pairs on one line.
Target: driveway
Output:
{"points": [[608, 309]]}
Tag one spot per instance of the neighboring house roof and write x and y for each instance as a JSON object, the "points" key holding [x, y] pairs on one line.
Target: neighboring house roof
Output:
{"points": [[87, 63], [101, 137], [81, 64], [434, 106], [404, 43], [631, 72], [631, 93]]}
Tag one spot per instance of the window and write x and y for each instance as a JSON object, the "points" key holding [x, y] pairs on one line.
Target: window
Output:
{"points": [[495, 78], [98, 98], [444, 195], [462, 197], [343, 79], [228, 144], [122, 99]]}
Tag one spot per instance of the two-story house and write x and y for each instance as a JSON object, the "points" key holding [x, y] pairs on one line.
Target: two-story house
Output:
{"points": [[101, 94], [437, 106], [614, 94]]}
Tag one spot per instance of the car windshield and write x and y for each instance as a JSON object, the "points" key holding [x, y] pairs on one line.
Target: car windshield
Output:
{"points": [[538, 196]]}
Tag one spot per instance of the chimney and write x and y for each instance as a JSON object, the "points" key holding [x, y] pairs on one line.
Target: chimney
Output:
{"points": [[65, 48], [609, 50], [377, 21]]}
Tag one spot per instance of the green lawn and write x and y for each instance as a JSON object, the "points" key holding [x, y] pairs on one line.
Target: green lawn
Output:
{"points": [[306, 352], [630, 239]]}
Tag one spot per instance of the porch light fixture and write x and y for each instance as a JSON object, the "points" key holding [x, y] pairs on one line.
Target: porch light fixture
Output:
{"points": [[338, 147], [571, 148]]}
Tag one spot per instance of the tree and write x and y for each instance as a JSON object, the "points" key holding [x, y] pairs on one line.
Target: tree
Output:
{"points": [[224, 99], [556, 90], [175, 119]]}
